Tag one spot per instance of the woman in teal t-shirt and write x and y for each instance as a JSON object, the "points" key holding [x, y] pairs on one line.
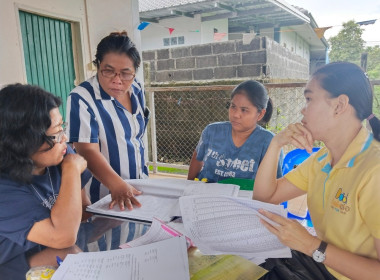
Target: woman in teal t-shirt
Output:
{"points": [[234, 149]]}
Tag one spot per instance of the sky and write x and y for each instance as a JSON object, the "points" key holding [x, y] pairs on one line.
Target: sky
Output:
{"points": [[335, 12]]}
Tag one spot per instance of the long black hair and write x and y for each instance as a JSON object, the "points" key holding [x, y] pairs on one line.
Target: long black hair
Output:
{"points": [[24, 119], [258, 96], [117, 42], [347, 78]]}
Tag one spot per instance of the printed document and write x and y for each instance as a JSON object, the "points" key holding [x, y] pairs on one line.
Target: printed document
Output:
{"points": [[160, 198], [163, 260], [230, 225], [158, 231]]}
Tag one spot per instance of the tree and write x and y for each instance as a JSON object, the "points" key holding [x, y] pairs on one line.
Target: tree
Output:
{"points": [[373, 62], [348, 45], [373, 70]]}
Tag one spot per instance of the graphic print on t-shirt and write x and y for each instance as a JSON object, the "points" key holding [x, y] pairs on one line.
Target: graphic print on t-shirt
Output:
{"points": [[228, 167]]}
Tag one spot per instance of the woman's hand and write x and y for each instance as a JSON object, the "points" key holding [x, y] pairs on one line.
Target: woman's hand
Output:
{"points": [[297, 135], [124, 195], [74, 160], [291, 233]]}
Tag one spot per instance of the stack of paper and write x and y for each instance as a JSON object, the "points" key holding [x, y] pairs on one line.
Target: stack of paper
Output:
{"points": [[158, 231], [160, 198], [227, 225], [163, 260]]}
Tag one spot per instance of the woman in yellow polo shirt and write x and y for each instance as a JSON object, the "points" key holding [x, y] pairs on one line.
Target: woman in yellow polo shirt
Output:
{"points": [[342, 181]]}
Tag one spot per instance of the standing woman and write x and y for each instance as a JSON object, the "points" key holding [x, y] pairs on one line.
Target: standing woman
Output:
{"points": [[341, 181], [40, 182], [234, 149], [107, 118]]}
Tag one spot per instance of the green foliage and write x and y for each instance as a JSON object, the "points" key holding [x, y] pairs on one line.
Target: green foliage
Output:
{"points": [[170, 170], [376, 101], [348, 45], [373, 62]]}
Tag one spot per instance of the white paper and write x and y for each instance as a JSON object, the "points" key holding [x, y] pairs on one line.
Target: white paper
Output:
{"points": [[160, 198], [158, 231], [163, 260], [245, 194], [227, 225], [159, 206], [180, 187]]}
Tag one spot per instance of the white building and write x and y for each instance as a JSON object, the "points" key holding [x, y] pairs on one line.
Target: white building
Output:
{"points": [[52, 43], [198, 21]]}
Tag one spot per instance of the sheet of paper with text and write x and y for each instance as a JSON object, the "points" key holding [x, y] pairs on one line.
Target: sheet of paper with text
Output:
{"points": [[163, 260], [230, 225]]}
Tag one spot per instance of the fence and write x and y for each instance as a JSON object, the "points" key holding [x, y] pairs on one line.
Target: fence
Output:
{"points": [[179, 115]]}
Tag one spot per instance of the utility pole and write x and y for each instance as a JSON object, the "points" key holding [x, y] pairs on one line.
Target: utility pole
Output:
{"points": [[363, 61]]}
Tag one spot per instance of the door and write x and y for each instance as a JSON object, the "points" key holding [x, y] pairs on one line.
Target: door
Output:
{"points": [[48, 54]]}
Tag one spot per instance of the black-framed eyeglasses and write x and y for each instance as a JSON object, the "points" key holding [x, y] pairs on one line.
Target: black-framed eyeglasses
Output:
{"points": [[124, 76], [57, 138]]}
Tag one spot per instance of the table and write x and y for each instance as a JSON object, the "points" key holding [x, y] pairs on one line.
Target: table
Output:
{"points": [[201, 267]]}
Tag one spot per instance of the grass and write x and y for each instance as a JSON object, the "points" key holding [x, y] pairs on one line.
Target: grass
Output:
{"points": [[170, 170]]}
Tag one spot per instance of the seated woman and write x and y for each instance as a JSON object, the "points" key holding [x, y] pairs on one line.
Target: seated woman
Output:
{"points": [[234, 149], [341, 181], [40, 182]]}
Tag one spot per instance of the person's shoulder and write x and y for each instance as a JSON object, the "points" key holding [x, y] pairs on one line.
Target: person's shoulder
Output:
{"points": [[9, 188], [219, 125], [217, 128], [321, 154], [86, 87], [137, 86], [373, 153], [375, 145], [5, 181], [264, 132]]}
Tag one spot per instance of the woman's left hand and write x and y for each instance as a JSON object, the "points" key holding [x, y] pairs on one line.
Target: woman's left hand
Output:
{"points": [[291, 233]]}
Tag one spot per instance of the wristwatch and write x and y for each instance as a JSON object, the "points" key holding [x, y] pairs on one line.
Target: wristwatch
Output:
{"points": [[319, 255]]}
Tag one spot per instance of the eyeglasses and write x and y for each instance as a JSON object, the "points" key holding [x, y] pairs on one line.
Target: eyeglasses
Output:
{"points": [[57, 138], [124, 76]]}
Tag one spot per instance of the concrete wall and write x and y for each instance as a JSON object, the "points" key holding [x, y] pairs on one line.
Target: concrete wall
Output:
{"points": [[262, 58], [91, 20], [285, 65]]}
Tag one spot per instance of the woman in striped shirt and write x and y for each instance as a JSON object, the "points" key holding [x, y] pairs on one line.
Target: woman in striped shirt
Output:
{"points": [[107, 118]]}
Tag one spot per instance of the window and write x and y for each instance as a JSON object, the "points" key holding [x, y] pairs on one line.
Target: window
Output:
{"points": [[173, 41]]}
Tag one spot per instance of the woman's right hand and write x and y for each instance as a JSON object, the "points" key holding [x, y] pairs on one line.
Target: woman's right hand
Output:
{"points": [[124, 196], [297, 135], [74, 160]]}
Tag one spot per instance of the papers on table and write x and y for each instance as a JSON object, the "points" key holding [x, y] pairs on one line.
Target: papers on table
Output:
{"points": [[228, 225], [160, 198], [163, 260], [180, 187], [152, 206], [158, 231]]}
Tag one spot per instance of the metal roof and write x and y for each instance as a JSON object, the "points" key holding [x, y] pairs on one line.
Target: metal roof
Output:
{"points": [[242, 14]]}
